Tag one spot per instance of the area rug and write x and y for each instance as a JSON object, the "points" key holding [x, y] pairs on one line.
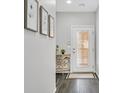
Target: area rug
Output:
{"points": [[84, 75]]}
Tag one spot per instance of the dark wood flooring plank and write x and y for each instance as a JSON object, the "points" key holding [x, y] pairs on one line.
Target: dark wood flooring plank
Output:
{"points": [[79, 86]]}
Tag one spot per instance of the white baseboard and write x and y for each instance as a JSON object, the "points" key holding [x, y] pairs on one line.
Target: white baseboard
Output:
{"points": [[97, 74], [54, 90]]}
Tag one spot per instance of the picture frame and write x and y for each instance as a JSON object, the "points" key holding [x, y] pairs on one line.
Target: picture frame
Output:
{"points": [[31, 15], [43, 21], [51, 26]]}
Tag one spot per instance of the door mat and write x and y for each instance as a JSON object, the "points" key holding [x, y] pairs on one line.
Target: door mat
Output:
{"points": [[84, 75]]}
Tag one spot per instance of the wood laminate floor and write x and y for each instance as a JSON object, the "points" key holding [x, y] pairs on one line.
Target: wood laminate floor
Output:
{"points": [[79, 86]]}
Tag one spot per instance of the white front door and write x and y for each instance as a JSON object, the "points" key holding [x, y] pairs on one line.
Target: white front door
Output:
{"points": [[82, 48]]}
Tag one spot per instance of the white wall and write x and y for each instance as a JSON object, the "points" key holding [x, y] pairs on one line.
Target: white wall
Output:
{"points": [[64, 22], [39, 61], [97, 42]]}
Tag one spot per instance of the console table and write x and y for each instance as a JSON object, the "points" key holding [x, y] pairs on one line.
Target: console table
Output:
{"points": [[63, 63], [62, 68]]}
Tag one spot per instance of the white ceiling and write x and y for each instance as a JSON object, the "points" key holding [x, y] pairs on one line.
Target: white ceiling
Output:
{"points": [[77, 6]]}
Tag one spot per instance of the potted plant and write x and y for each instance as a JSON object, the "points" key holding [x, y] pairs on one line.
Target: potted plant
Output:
{"points": [[63, 51]]}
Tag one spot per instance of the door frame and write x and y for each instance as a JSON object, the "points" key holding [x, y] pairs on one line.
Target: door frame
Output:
{"points": [[91, 44]]}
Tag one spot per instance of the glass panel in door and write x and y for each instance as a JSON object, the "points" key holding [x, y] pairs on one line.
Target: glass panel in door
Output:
{"points": [[82, 49]]}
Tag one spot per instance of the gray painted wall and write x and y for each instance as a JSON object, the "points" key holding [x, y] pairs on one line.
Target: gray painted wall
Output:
{"points": [[64, 22], [39, 58], [97, 42]]}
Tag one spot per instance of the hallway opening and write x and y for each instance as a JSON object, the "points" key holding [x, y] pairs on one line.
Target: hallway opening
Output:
{"points": [[76, 46]]}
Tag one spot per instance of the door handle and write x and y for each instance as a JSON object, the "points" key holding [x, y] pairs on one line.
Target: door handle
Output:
{"points": [[74, 50]]}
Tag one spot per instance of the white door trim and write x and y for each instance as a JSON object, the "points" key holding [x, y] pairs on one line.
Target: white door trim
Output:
{"points": [[92, 52]]}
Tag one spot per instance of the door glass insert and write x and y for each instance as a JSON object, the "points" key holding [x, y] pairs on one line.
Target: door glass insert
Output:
{"points": [[82, 48]]}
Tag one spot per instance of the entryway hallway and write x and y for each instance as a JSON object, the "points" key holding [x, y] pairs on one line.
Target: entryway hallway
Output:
{"points": [[77, 68], [64, 42]]}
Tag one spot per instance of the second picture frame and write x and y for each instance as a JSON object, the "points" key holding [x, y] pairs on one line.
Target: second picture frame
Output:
{"points": [[43, 21]]}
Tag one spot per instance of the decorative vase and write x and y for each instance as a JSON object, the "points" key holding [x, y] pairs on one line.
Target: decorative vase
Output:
{"points": [[63, 51]]}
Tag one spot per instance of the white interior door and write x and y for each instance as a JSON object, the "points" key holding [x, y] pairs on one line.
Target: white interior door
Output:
{"points": [[82, 48]]}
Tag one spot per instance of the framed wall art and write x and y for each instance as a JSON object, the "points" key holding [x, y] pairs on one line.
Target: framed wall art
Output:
{"points": [[51, 26], [31, 15], [43, 21]]}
